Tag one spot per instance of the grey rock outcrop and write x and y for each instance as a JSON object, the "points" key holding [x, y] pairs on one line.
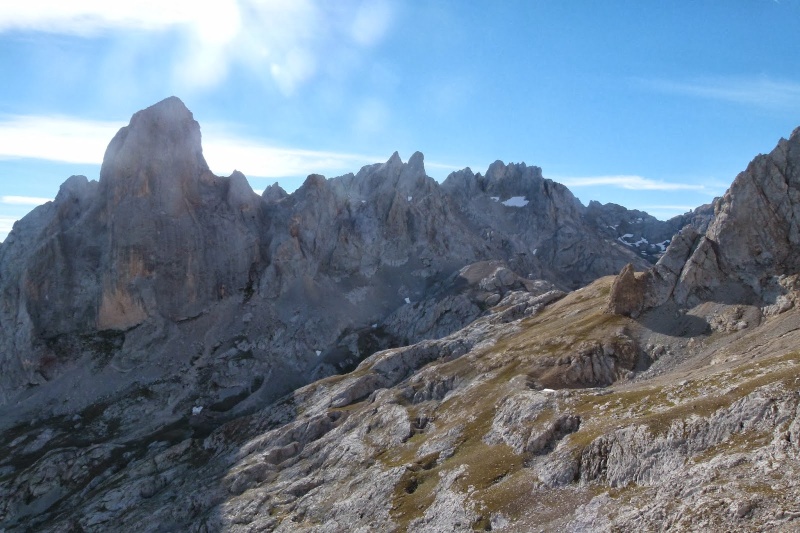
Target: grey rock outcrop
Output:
{"points": [[751, 242], [627, 294]]}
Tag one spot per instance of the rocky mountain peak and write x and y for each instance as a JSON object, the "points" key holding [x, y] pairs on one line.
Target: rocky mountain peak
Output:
{"points": [[394, 159], [749, 247], [497, 169], [416, 163], [383, 181], [75, 188], [157, 156], [405, 175], [274, 193]]}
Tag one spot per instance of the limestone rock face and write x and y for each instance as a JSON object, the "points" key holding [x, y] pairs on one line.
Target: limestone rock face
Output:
{"points": [[179, 237], [627, 294], [157, 241], [752, 240], [539, 221]]}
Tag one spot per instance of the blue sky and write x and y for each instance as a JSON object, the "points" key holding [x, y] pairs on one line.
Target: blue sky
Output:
{"points": [[653, 105]]}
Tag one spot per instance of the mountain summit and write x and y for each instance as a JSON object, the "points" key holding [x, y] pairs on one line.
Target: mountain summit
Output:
{"points": [[157, 156]]}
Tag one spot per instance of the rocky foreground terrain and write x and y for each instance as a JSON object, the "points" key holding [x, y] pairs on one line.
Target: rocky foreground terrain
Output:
{"points": [[379, 352]]}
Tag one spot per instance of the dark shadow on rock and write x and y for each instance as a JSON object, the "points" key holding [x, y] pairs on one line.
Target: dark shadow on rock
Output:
{"points": [[668, 319], [352, 347]]}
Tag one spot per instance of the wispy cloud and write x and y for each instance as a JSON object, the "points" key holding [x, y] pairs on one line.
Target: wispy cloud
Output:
{"points": [[23, 200], [633, 183], [443, 166], [289, 40], [55, 138], [87, 17], [255, 158], [759, 91]]}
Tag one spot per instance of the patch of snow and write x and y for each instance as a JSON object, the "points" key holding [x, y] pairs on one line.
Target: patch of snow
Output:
{"points": [[197, 409], [516, 201], [535, 250], [374, 326], [363, 201], [663, 245], [641, 241], [626, 236], [409, 198], [496, 198], [548, 390], [408, 300], [318, 352]]}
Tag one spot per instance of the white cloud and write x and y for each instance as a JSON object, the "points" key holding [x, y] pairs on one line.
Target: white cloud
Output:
{"points": [[288, 39], [226, 151], [254, 158], [55, 138], [760, 91], [81, 17], [442, 166], [6, 223], [633, 183], [23, 200], [212, 20]]}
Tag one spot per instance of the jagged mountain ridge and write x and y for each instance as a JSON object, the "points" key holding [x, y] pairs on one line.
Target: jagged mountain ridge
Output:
{"points": [[537, 410], [160, 251]]}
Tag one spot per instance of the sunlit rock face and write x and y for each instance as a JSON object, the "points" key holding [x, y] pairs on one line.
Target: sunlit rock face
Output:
{"points": [[748, 249], [158, 240]]}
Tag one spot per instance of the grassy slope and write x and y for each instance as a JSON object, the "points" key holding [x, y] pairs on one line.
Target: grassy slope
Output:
{"points": [[498, 480]]}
